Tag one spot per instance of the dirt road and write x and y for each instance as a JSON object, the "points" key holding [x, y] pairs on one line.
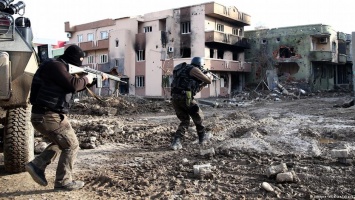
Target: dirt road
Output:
{"points": [[132, 159]]}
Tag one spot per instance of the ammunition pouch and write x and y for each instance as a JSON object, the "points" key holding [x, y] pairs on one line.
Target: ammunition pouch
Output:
{"points": [[188, 98]]}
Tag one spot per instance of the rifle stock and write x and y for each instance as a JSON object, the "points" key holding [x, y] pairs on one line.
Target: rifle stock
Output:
{"points": [[98, 74]]}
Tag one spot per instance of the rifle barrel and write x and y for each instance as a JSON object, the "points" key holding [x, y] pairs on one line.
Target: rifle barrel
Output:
{"points": [[87, 69]]}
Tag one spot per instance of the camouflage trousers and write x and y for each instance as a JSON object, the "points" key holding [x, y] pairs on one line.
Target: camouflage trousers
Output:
{"points": [[184, 112], [64, 142]]}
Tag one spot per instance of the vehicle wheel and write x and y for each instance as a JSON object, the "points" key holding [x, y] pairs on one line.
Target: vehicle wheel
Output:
{"points": [[18, 139]]}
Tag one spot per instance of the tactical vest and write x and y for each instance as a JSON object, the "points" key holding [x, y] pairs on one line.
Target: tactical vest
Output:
{"points": [[48, 95], [182, 81]]}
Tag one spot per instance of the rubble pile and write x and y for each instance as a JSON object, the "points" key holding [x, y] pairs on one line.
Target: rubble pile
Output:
{"points": [[122, 105]]}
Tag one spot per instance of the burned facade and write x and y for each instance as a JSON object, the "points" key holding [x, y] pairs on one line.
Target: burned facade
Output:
{"points": [[144, 49], [315, 56]]}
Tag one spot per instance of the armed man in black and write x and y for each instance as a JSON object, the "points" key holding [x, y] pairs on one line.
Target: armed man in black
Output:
{"points": [[51, 90], [188, 80]]}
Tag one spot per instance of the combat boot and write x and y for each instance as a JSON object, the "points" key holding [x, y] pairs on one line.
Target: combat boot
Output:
{"points": [[176, 144], [74, 185], [36, 173], [202, 139]]}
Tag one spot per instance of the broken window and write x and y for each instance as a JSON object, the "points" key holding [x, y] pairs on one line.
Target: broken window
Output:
{"points": [[341, 47], [117, 43], [286, 52], [185, 52], [235, 55], [220, 54], [185, 27], [224, 80], [139, 81], [211, 53], [344, 74], [147, 29], [141, 55], [323, 40], [263, 41]]}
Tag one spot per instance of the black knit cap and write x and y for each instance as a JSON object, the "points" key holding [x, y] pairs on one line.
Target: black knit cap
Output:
{"points": [[73, 55]]}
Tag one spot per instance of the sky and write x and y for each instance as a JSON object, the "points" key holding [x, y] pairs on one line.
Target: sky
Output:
{"points": [[48, 16]]}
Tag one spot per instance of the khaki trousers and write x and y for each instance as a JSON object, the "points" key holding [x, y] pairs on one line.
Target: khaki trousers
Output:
{"points": [[64, 142], [183, 112]]}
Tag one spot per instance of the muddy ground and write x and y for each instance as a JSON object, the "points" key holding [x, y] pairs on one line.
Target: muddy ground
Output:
{"points": [[125, 151]]}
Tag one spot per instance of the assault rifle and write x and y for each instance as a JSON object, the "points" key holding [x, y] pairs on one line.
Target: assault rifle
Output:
{"points": [[98, 74], [206, 71]]}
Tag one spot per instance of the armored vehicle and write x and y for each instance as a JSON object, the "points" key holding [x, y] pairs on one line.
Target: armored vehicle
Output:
{"points": [[18, 63]]}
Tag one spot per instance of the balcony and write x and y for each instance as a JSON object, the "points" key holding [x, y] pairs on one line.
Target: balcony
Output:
{"points": [[321, 56], [94, 45], [342, 36], [225, 38], [229, 14], [342, 58], [227, 65]]}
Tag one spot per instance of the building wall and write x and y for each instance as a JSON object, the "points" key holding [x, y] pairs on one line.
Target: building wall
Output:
{"points": [[313, 54], [165, 46]]}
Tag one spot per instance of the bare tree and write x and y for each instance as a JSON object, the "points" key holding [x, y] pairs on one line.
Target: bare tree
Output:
{"points": [[262, 62], [167, 72]]}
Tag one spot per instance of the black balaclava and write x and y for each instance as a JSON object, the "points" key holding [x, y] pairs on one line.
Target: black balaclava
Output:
{"points": [[73, 55]]}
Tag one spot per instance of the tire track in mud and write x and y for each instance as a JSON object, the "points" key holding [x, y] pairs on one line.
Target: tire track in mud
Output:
{"points": [[153, 171]]}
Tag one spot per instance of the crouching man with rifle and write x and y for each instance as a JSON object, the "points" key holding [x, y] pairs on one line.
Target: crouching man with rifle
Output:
{"points": [[51, 90]]}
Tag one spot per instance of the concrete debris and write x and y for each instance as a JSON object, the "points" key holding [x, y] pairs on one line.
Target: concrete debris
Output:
{"points": [[202, 169], [284, 177], [207, 152], [340, 153], [276, 169], [267, 187]]}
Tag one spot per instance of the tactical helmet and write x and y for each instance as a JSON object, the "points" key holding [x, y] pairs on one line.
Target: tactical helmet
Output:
{"points": [[198, 61]]}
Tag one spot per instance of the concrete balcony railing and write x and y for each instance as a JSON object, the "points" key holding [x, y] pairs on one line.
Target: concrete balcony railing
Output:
{"points": [[94, 45], [342, 58], [227, 65], [225, 38], [230, 14], [322, 56]]}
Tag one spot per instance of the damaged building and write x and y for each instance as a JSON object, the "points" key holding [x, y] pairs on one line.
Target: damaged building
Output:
{"points": [[143, 50], [314, 56]]}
